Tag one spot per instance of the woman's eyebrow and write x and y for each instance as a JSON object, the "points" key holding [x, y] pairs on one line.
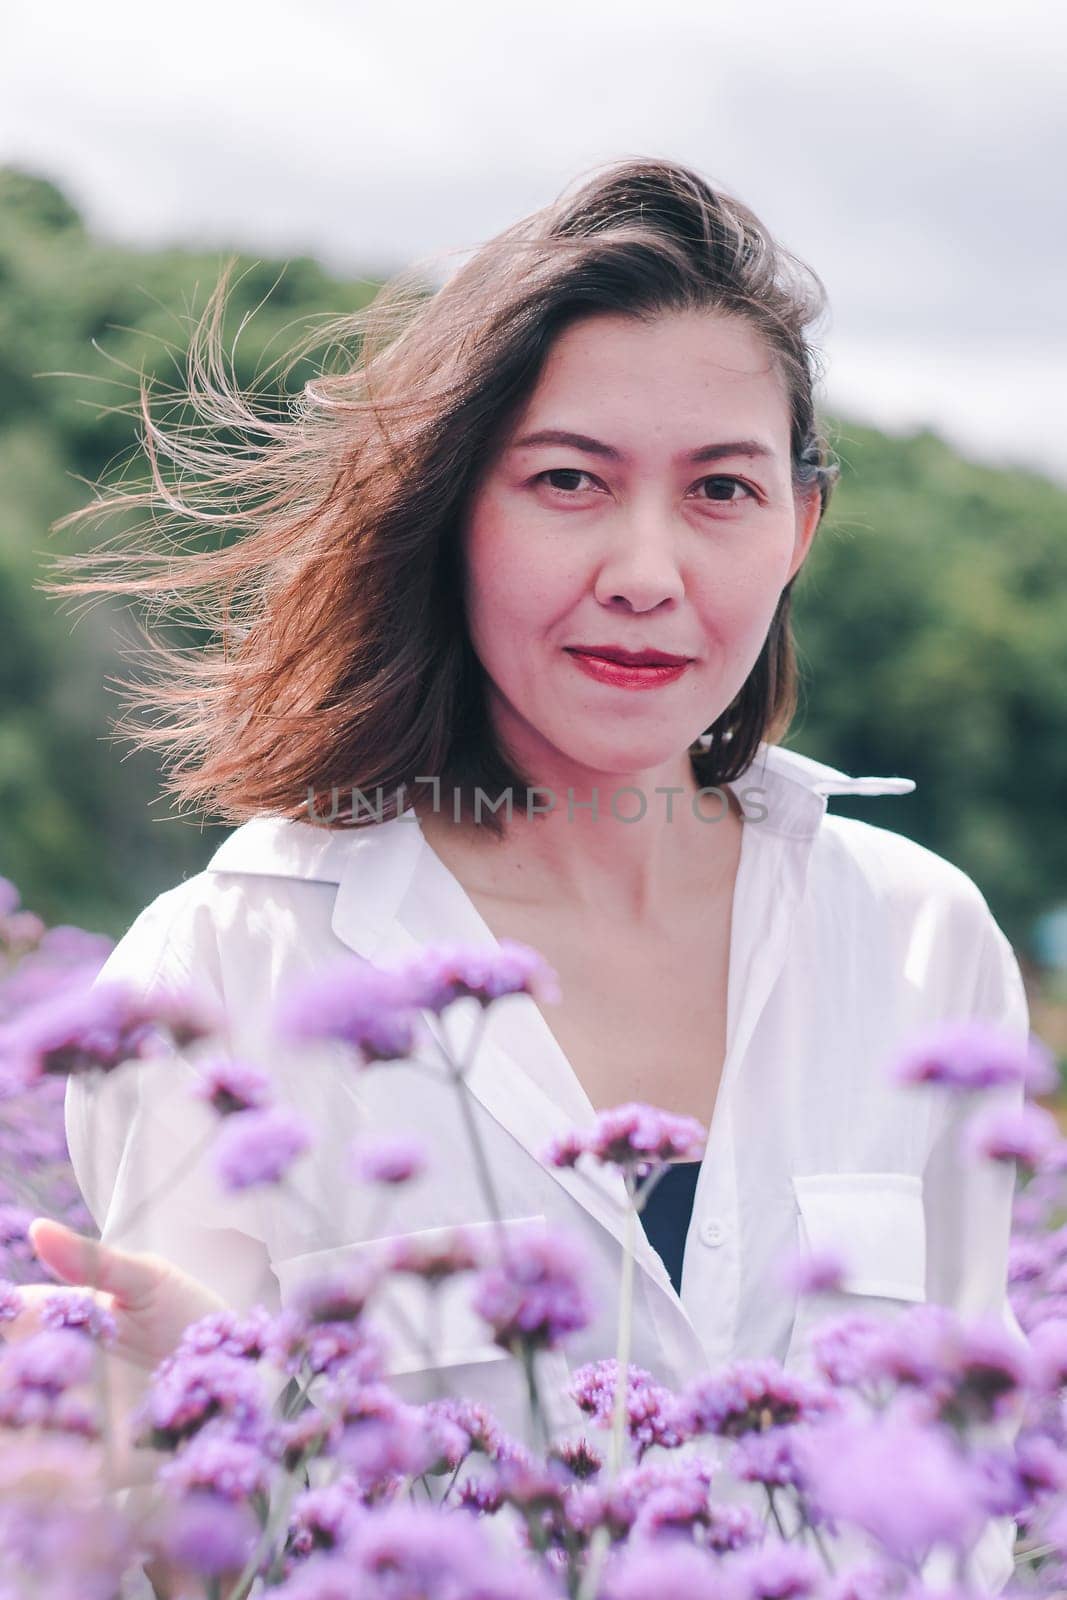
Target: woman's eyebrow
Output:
{"points": [[594, 447]]}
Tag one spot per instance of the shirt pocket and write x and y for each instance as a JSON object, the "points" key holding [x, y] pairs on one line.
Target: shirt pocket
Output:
{"points": [[876, 1223], [437, 1344]]}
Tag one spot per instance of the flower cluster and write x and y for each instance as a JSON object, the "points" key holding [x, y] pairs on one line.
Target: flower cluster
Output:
{"points": [[289, 1460]]}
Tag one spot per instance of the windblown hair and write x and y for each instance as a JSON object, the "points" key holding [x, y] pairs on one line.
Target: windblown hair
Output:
{"points": [[339, 657]]}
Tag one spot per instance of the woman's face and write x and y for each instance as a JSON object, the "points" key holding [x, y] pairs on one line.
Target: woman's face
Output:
{"points": [[669, 525]]}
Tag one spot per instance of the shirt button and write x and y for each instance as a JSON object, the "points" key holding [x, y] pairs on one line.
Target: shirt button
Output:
{"points": [[712, 1231]]}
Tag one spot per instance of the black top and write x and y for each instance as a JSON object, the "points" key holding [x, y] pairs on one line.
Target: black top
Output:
{"points": [[667, 1211]]}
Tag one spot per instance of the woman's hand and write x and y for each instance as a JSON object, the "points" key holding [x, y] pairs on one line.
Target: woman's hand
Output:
{"points": [[152, 1301]]}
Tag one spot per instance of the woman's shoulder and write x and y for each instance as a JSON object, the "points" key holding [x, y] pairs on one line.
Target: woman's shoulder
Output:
{"points": [[853, 858], [270, 877]]}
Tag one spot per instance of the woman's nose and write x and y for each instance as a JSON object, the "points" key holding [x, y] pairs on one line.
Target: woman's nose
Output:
{"points": [[641, 566]]}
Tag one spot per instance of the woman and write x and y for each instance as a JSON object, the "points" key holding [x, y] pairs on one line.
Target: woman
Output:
{"points": [[594, 450]]}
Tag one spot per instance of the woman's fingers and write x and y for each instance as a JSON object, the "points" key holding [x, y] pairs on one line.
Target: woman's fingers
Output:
{"points": [[78, 1260]]}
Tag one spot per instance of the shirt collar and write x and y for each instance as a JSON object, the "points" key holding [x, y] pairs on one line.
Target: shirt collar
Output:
{"points": [[791, 788]]}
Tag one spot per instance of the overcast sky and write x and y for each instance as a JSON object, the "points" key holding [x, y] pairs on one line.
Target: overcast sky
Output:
{"points": [[913, 153]]}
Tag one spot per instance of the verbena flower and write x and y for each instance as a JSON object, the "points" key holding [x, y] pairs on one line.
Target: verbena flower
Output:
{"points": [[79, 1309], [413, 1552], [350, 1346], [10, 1301], [230, 1086], [207, 1535], [391, 1160], [809, 1272], [966, 1371], [752, 1395], [323, 1518], [902, 1483], [257, 1147], [976, 1054], [477, 1428], [1048, 1352], [768, 1457], [634, 1137], [381, 1437], [1028, 1134], [370, 1008], [536, 1294], [436, 1258], [231, 1468], [95, 1029], [650, 1407], [443, 973], [649, 1571], [843, 1348], [189, 1391], [617, 1505], [775, 1571], [235, 1333]]}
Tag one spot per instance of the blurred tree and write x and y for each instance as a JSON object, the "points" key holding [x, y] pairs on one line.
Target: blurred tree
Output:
{"points": [[930, 615]]}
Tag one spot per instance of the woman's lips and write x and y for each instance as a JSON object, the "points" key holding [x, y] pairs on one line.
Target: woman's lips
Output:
{"points": [[623, 677]]}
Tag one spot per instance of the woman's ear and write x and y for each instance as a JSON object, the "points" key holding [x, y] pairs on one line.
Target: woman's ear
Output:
{"points": [[808, 502]]}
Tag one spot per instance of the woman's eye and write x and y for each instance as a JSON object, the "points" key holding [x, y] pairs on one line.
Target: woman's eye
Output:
{"points": [[731, 482], [561, 472], [570, 489]]}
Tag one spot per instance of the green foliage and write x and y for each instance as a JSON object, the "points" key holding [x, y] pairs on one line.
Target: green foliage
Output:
{"points": [[929, 616]]}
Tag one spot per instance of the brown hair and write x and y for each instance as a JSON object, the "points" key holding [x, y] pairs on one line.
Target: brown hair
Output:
{"points": [[341, 658]]}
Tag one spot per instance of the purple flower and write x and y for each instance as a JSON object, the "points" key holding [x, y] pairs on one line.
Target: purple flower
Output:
{"points": [[79, 1309], [902, 1483], [967, 1372], [323, 1518], [10, 1301], [1041, 1465], [650, 1571], [443, 973], [209, 1536], [1028, 1134], [15, 1246], [381, 1437], [536, 1295], [230, 1468], [813, 1272], [389, 1160], [50, 1362], [230, 1086], [976, 1054], [433, 1259], [1048, 1350], [351, 1348], [634, 1137], [752, 1395], [775, 1571], [651, 1408], [88, 1027], [417, 1553], [620, 1504], [478, 1428], [370, 1008], [579, 1457], [257, 1147], [338, 1296], [189, 1391], [10, 899], [235, 1333], [843, 1349], [768, 1457]]}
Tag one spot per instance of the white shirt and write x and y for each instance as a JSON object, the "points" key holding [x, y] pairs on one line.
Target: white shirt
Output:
{"points": [[846, 938]]}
